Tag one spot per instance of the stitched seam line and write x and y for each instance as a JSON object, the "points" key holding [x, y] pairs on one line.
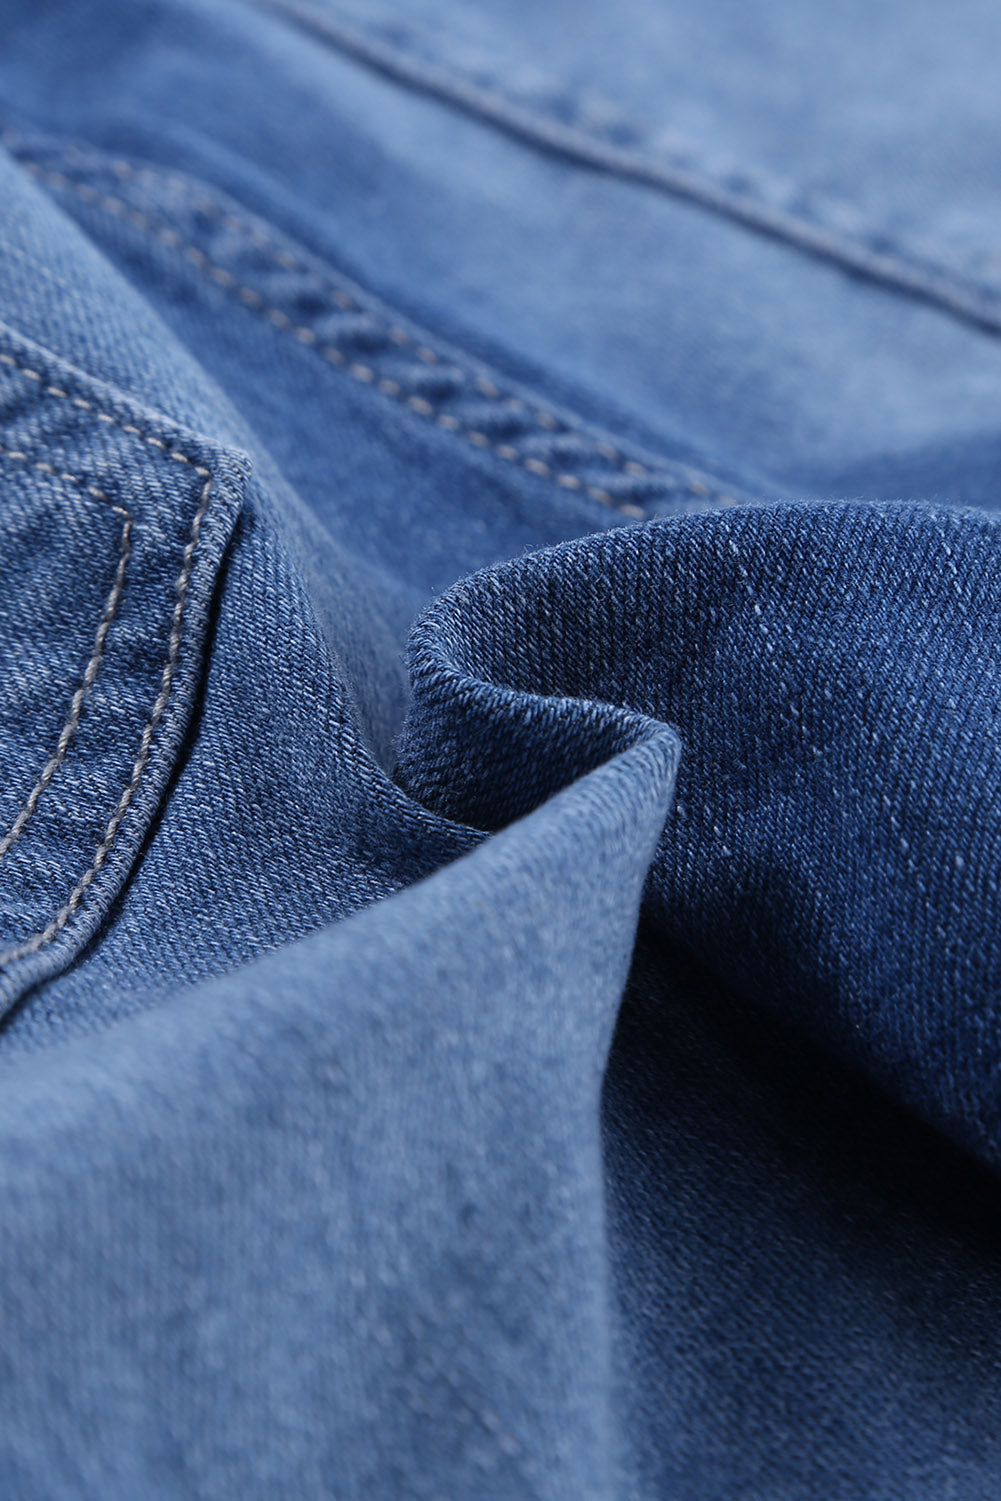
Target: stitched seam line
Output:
{"points": [[97, 653], [102, 416], [79, 891], [181, 586], [679, 175], [357, 369], [393, 335]]}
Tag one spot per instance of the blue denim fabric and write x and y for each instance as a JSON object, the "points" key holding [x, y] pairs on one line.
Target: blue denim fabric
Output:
{"points": [[501, 799]]}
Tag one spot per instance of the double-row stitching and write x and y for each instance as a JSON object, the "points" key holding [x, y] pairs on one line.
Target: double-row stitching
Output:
{"points": [[181, 587], [108, 614], [285, 260], [394, 335]]}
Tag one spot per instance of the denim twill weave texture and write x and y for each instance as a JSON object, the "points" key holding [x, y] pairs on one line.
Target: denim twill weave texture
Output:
{"points": [[500, 813]]}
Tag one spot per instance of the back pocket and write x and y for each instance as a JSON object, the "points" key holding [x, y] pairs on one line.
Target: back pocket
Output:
{"points": [[113, 522]]}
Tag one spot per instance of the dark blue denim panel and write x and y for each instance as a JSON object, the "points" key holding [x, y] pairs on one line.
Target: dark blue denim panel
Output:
{"points": [[832, 673], [113, 524], [806, 1276]]}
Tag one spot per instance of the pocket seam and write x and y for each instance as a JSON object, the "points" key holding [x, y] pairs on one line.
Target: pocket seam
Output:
{"points": [[546, 444], [108, 614], [69, 908]]}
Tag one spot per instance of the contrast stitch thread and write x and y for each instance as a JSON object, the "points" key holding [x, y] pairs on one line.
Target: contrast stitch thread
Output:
{"points": [[67, 911], [96, 657], [330, 352], [102, 416], [181, 586], [357, 369]]}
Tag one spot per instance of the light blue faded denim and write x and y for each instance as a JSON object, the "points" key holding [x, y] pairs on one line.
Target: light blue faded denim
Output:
{"points": [[500, 814]]}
